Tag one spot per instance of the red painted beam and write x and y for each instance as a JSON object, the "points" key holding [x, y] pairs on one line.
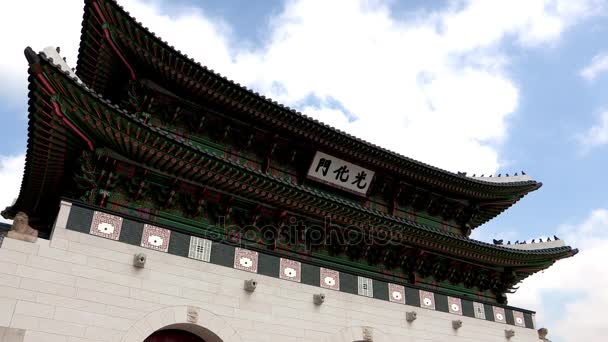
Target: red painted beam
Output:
{"points": [[106, 32], [59, 113]]}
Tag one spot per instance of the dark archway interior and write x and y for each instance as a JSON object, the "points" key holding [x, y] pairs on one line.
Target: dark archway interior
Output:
{"points": [[173, 335]]}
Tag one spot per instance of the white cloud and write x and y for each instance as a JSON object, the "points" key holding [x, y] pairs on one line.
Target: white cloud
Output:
{"points": [[596, 135], [570, 296], [37, 24], [11, 173], [597, 66], [433, 88]]}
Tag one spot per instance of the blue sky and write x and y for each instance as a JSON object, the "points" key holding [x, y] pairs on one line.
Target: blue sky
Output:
{"points": [[477, 86]]}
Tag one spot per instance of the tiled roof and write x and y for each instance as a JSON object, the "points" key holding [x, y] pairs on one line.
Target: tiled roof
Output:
{"points": [[434, 234]]}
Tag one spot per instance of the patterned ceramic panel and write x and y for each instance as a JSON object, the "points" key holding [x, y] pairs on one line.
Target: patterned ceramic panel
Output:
{"points": [[246, 260], [499, 315], [155, 238], [106, 225], [518, 318], [427, 300], [290, 270], [365, 287], [454, 305], [330, 279], [199, 249], [479, 311], [396, 293]]}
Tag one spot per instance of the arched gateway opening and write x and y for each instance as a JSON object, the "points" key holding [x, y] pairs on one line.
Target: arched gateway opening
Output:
{"points": [[173, 335], [181, 324]]}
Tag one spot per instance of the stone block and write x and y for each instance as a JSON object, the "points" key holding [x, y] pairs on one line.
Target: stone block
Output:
{"points": [[34, 309], [47, 287], [7, 308], [37, 336], [21, 246], [9, 280], [46, 275], [12, 335]]}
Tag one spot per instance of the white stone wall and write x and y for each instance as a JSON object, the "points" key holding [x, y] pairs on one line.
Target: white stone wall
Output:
{"points": [[78, 287]]}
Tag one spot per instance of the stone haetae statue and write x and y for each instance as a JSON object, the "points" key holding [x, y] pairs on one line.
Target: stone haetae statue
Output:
{"points": [[21, 229]]}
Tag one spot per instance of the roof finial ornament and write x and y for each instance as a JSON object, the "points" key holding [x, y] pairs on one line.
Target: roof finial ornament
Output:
{"points": [[506, 175], [515, 173], [533, 241], [31, 56], [58, 49], [523, 173], [549, 239], [482, 175], [499, 174], [540, 240], [497, 242], [517, 242], [509, 242], [555, 237]]}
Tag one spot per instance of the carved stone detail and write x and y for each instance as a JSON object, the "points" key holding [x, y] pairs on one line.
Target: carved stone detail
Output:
{"points": [[542, 334], [192, 314], [368, 334], [21, 229]]}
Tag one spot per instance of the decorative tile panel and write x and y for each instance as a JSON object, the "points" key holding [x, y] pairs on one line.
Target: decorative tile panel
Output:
{"points": [[330, 279], [518, 318], [246, 260], [365, 287], [479, 311], [499, 315], [106, 225], [200, 249], [454, 305], [290, 270], [427, 300], [396, 293], [155, 238]]}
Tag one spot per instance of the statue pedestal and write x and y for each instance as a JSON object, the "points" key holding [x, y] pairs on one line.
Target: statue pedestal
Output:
{"points": [[20, 236]]}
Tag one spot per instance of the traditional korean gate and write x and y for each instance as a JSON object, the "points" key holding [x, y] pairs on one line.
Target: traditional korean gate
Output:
{"points": [[173, 335]]}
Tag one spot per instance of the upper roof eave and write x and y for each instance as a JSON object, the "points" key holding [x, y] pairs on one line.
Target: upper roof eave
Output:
{"points": [[290, 115], [546, 254]]}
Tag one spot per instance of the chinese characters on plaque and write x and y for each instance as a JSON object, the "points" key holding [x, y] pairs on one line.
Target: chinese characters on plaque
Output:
{"points": [[340, 173]]}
